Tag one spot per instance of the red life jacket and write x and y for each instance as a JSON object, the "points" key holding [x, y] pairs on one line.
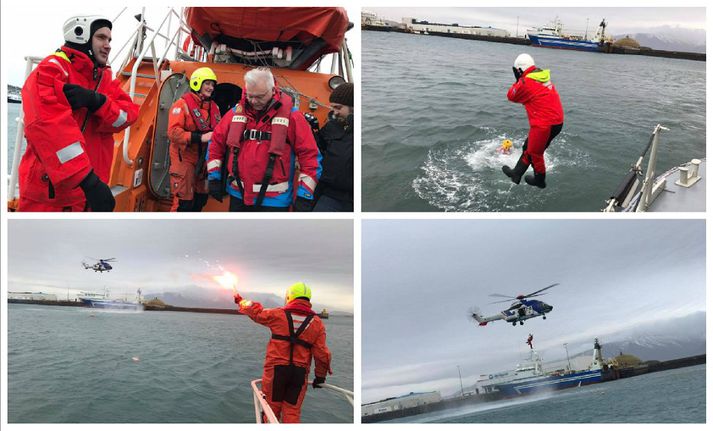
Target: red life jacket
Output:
{"points": [[203, 124], [273, 124]]}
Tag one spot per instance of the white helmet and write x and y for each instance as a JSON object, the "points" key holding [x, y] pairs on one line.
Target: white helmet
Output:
{"points": [[78, 29], [524, 62]]}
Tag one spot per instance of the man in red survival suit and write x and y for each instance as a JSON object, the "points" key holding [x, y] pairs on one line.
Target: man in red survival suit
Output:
{"points": [[534, 89], [298, 335], [266, 140], [72, 107], [190, 126]]}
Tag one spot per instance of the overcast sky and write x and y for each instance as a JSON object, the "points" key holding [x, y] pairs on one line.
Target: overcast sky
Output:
{"points": [[620, 19], [421, 277], [34, 28], [173, 255]]}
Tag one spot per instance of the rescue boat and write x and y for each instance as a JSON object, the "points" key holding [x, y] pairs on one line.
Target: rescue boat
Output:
{"points": [[292, 41]]}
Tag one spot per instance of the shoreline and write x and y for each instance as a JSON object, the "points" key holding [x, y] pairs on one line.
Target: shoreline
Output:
{"points": [[609, 49]]}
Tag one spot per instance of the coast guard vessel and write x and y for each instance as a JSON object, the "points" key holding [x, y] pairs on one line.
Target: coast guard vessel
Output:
{"points": [[552, 36], [530, 377]]}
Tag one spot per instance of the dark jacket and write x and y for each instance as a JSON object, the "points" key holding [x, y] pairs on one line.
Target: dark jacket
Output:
{"points": [[336, 143]]}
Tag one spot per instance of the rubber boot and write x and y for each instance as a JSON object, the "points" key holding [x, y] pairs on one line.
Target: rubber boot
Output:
{"points": [[516, 173], [536, 180]]}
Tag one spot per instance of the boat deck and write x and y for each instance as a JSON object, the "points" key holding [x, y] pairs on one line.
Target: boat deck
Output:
{"points": [[677, 198]]}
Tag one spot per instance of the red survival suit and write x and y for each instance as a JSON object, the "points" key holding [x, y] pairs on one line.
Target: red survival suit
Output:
{"points": [[59, 154], [544, 110], [189, 114], [287, 363], [279, 131]]}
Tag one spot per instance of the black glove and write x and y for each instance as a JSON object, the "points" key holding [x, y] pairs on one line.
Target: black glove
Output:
{"points": [[302, 205], [317, 382], [517, 73], [313, 121], [98, 194], [215, 189], [80, 97]]}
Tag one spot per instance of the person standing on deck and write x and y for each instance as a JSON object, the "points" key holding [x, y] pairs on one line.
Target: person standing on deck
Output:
{"points": [[190, 127], [72, 107], [298, 336]]}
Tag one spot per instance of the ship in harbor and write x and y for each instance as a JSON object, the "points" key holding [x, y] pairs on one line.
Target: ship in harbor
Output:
{"points": [[530, 377], [94, 300], [552, 36]]}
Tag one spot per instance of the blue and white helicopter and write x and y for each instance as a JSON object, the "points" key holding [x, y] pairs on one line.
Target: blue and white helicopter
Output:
{"points": [[520, 310], [101, 265]]}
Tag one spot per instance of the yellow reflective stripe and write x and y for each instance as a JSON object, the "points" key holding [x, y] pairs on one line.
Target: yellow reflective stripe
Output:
{"points": [[540, 76], [62, 55], [55, 61]]}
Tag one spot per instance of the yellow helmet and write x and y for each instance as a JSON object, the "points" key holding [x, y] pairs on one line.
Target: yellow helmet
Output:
{"points": [[507, 144], [202, 74], [298, 290]]}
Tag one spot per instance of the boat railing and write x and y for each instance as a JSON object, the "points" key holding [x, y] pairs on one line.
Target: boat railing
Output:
{"points": [[628, 195], [30, 63], [172, 40], [263, 412]]}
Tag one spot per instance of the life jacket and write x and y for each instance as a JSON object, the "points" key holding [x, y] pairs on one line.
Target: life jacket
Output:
{"points": [[293, 337], [202, 124], [278, 116]]}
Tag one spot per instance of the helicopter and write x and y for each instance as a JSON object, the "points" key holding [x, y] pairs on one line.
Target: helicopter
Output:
{"points": [[102, 265], [520, 310]]}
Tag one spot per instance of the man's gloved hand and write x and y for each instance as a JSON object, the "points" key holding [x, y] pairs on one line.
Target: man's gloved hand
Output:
{"points": [[317, 382], [303, 205], [237, 298], [215, 189], [517, 73], [98, 194], [312, 120], [80, 97]]}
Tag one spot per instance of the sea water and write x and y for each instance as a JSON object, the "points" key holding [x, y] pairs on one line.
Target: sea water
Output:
{"points": [[78, 365], [435, 111]]}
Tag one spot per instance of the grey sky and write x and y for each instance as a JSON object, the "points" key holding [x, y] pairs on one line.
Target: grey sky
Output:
{"points": [[420, 277], [620, 19], [173, 255], [20, 19]]}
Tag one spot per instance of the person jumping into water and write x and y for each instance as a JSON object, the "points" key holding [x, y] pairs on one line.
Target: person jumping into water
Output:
{"points": [[534, 89]]}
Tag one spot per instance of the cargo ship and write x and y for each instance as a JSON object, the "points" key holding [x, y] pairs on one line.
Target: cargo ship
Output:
{"points": [[95, 300], [552, 36], [530, 377]]}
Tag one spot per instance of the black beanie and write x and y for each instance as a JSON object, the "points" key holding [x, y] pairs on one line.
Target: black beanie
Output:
{"points": [[344, 94]]}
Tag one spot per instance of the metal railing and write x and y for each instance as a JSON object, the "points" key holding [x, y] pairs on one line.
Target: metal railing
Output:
{"points": [[628, 193], [263, 408], [139, 35]]}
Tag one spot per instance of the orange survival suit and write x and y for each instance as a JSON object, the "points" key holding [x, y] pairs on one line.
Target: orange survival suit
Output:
{"points": [[298, 335], [189, 118], [63, 146]]}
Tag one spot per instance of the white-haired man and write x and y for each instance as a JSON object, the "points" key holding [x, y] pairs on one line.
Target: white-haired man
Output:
{"points": [[265, 139]]}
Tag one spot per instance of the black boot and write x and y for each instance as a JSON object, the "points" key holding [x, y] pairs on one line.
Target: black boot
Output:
{"points": [[516, 173], [537, 180]]}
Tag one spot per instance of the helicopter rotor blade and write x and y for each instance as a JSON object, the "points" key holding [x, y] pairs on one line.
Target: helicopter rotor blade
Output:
{"points": [[497, 295], [538, 291], [507, 300]]}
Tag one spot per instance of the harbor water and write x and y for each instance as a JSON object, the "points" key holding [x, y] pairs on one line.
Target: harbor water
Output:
{"points": [[673, 396], [78, 365], [435, 111]]}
